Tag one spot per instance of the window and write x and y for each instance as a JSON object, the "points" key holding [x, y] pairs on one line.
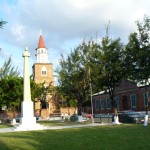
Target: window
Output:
{"points": [[102, 104], [144, 99], [108, 104], [44, 105], [133, 100], [43, 71], [117, 101], [96, 104]]}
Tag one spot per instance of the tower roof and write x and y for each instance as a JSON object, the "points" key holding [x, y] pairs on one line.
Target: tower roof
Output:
{"points": [[41, 43]]}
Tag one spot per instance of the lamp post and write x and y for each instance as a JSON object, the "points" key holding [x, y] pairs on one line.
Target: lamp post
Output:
{"points": [[91, 93]]}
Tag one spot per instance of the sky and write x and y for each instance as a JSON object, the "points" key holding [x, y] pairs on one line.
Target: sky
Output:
{"points": [[64, 24]]}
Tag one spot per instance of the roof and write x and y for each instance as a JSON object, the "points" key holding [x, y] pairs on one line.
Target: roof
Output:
{"points": [[41, 43]]}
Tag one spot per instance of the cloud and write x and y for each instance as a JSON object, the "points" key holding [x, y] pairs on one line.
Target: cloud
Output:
{"points": [[18, 32], [64, 23]]}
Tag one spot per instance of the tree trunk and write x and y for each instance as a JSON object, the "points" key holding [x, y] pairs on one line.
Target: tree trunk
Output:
{"points": [[147, 106], [14, 112], [115, 111], [146, 115], [80, 109], [13, 122], [40, 112]]}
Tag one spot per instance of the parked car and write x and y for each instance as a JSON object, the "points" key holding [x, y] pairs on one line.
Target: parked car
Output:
{"points": [[86, 115], [131, 117]]}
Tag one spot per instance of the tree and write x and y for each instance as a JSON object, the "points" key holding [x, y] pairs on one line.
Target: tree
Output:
{"points": [[74, 74], [11, 91], [41, 92], [109, 66], [8, 70], [9, 80], [2, 23], [35, 90], [138, 52]]}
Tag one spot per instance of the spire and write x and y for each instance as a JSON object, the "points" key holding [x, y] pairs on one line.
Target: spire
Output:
{"points": [[41, 42]]}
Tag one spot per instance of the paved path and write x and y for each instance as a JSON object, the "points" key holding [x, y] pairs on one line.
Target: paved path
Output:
{"points": [[12, 129]]}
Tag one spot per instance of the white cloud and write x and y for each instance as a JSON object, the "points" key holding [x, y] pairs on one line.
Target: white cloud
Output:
{"points": [[18, 32], [66, 22]]}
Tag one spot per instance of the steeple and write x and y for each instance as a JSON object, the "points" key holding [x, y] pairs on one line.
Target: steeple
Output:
{"points": [[41, 51], [41, 43]]}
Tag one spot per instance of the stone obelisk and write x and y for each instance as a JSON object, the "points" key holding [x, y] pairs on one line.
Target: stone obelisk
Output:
{"points": [[28, 121], [27, 105]]}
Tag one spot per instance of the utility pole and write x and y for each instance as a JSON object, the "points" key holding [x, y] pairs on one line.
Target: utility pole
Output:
{"points": [[91, 93]]}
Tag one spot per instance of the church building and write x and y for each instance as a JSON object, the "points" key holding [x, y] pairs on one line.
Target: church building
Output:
{"points": [[43, 73]]}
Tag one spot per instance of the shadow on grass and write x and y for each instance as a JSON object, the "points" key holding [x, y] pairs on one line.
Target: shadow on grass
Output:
{"points": [[123, 137]]}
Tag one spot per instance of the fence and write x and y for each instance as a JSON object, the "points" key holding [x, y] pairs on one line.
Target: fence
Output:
{"points": [[102, 118]]}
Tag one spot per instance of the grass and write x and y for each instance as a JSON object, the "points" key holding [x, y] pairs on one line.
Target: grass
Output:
{"points": [[51, 123], [62, 123], [6, 125], [122, 137]]}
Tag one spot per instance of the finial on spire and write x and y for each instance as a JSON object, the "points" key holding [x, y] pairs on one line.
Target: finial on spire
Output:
{"points": [[41, 42], [26, 48], [40, 32]]}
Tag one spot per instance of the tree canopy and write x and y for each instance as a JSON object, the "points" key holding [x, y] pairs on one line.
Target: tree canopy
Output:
{"points": [[11, 92], [138, 55], [2, 23], [74, 74], [138, 52], [7, 70], [102, 64], [109, 66], [105, 63]]}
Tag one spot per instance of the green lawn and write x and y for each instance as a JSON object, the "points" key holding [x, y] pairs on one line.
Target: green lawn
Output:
{"points": [[51, 123], [63, 123], [6, 125], [122, 137]]}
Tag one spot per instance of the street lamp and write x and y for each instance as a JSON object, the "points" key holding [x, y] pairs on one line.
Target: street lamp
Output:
{"points": [[91, 96]]}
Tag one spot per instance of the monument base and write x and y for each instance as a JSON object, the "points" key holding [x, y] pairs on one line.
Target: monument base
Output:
{"points": [[146, 120], [31, 127], [28, 121], [116, 121]]}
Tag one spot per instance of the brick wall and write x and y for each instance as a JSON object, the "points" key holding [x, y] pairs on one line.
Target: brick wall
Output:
{"points": [[123, 92], [37, 72], [69, 110]]}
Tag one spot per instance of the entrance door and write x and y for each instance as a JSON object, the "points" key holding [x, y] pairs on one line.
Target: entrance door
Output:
{"points": [[124, 103]]}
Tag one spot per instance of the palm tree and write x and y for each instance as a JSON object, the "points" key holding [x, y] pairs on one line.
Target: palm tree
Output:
{"points": [[2, 23]]}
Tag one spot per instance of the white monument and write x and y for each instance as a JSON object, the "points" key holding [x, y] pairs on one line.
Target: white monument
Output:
{"points": [[28, 121]]}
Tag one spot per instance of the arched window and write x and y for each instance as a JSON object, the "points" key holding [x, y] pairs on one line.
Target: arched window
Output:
{"points": [[44, 70]]}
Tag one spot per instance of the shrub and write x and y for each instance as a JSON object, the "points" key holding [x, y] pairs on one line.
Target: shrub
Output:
{"points": [[73, 118]]}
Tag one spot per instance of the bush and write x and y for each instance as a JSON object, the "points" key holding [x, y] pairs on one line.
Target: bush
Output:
{"points": [[73, 118]]}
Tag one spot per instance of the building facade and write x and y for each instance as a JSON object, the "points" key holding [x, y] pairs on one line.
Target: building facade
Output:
{"points": [[43, 73], [128, 96]]}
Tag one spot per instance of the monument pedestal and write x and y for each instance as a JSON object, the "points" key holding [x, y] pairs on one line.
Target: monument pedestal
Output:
{"points": [[28, 121], [27, 113]]}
